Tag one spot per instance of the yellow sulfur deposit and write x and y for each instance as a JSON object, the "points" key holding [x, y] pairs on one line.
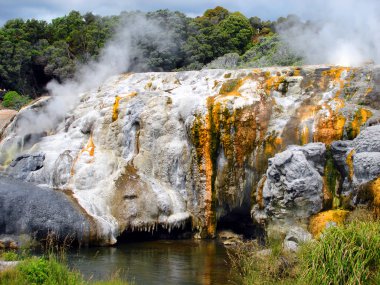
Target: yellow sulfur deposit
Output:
{"points": [[350, 163], [360, 118], [375, 191], [115, 111], [319, 221]]}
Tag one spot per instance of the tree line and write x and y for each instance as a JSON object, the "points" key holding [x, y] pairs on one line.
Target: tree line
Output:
{"points": [[33, 52]]}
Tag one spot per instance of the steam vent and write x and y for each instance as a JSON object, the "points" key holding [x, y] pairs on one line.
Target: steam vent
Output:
{"points": [[197, 151]]}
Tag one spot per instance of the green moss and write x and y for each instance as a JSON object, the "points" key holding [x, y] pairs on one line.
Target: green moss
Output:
{"points": [[332, 177], [229, 86]]}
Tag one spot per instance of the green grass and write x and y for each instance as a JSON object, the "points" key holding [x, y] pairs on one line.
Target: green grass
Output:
{"points": [[39, 270], [47, 270], [253, 264], [344, 255], [347, 255]]}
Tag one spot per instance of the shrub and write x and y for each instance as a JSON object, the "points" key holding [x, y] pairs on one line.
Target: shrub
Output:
{"points": [[10, 256], [15, 101]]}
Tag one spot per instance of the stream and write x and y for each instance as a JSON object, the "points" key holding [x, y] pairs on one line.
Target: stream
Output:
{"points": [[169, 262]]}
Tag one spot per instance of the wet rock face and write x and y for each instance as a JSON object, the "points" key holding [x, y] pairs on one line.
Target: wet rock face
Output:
{"points": [[27, 209], [161, 150], [293, 190]]}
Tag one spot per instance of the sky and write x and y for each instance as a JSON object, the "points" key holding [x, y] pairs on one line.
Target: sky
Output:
{"points": [[49, 9]]}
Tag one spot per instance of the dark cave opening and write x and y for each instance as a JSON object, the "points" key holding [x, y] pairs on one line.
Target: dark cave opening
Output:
{"points": [[159, 233], [240, 222]]}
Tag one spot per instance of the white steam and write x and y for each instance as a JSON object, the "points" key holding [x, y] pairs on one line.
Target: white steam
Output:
{"points": [[120, 54], [344, 32]]}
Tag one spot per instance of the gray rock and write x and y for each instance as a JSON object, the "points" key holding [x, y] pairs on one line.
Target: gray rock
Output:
{"points": [[22, 165], [368, 140], [366, 166], [5, 265], [27, 209], [62, 169], [314, 153], [339, 151], [293, 188], [295, 237]]}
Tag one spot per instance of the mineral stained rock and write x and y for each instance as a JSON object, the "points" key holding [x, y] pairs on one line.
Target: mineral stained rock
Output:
{"points": [[293, 189], [150, 150]]}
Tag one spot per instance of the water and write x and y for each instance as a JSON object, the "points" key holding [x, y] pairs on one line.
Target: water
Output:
{"points": [[178, 262]]}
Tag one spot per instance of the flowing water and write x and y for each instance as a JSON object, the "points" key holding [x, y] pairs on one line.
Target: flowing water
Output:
{"points": [[169, 262]]}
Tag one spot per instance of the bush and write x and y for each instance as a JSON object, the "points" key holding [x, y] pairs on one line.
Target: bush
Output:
{"points": [[15, 101], [40, 271]]}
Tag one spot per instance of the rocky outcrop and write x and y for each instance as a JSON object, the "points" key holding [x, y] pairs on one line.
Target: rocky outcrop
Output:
{"points": [[293, 187], [359, 164], [36, 212], [162, 150]]}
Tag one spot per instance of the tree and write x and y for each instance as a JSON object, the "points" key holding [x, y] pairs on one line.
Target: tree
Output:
{"points": [[233, 35], [15, 101]]}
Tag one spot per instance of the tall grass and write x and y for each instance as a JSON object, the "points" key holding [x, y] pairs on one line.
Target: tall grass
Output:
{"points": [[347, 255], [252, 264], [343, 255]]}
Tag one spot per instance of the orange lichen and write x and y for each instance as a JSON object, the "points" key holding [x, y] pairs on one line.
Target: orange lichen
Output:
{"points": [[334, 74], [231, 87], [350, 164], [115, 110], [319, 222], [273, 83], [305, 134], [297, 71], [375, 192], [360, 118], [90, 147], [329, 126]]}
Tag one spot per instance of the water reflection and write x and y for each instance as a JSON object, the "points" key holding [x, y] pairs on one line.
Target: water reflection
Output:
{"points": [[186, 262]]}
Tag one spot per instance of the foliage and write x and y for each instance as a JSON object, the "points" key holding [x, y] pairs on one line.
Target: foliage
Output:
{"points": [[270, 51], [33, 52], [13, 100], [228, 61]]}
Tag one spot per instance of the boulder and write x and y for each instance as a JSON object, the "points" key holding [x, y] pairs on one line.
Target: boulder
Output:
{"points": [[295, 237], [35, 211], [24, 164], [293, 190]]}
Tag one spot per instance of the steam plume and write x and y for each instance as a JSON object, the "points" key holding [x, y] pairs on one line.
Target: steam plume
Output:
{"points": [[344, 32], [120, 54]]}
